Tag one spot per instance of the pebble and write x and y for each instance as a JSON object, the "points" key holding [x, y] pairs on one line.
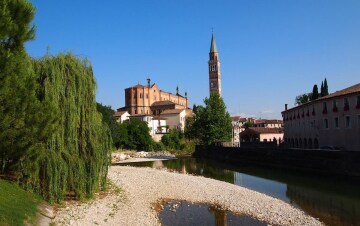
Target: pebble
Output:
{"points": [[144, 187]]}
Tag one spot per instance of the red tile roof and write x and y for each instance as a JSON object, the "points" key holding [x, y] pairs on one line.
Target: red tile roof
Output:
{"points": [[119, 113], [172, 111], [162, 103], [349, 90], [343, 92]]}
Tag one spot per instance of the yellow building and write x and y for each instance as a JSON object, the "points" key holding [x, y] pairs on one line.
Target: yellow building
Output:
{"points": [[150, 100]]}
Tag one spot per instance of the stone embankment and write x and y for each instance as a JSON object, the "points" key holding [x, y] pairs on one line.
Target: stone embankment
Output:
{"points": [[143, 187]]}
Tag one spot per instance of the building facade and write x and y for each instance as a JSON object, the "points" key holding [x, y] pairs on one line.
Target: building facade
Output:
{"points": [[149, 99], [237, 124], [262, 134], [214, 68], [332, 121], [268, 123], [121, 116], [175, 118]]}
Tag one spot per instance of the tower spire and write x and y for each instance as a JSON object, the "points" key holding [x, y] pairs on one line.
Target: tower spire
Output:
{"points": [[214, 68], [213, 48]]}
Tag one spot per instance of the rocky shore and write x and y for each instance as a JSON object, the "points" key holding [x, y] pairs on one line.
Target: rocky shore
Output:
{"points": [[142, 188], [141, 156]]}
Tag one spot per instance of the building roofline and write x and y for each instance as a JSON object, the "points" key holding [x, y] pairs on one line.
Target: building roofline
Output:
{"points": [[340, 93]]}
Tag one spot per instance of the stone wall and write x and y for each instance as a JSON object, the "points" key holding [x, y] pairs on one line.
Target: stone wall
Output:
{"points": [[339, 163]]}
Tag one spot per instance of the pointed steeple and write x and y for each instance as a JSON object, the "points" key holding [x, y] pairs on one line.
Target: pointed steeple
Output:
{"points": [[213, 48]]}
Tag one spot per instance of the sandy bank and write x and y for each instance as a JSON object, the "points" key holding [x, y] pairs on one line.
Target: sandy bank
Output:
{"points": [[144, 186]]}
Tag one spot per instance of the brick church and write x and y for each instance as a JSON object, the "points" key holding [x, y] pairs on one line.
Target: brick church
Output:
{"points": [[150, 100]]}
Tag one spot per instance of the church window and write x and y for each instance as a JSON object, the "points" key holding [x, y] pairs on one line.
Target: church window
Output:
{"points": [[147, 96]]}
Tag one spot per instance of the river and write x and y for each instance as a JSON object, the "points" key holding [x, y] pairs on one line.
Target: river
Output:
{"points": [[334, 200]]}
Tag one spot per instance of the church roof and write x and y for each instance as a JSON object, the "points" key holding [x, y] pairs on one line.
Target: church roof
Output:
{"points": [[162, 103], [213, 48]]}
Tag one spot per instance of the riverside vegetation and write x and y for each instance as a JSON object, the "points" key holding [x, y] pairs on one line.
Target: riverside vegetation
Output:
{"points": [[52, 141]]}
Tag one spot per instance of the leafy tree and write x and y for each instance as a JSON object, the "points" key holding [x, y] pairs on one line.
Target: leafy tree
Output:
{"points": [[322, 89], [23, 122], [123, 139], [171, 140], [302, 99], [138, 135], [77, 153], [315, 93], [109, 118], [326, 89], [212, 123]]}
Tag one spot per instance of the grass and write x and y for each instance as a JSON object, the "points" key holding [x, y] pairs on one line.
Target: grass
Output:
{"points": [[16, 205]]}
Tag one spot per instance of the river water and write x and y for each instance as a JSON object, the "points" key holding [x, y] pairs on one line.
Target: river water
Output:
{"points": [[334, 200]]}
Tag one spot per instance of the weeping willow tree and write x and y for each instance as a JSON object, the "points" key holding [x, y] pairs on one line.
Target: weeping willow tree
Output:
{"points": [[77, 153]]}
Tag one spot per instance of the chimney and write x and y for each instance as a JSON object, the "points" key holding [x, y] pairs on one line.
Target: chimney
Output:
{"points": [[148, 80], [286, 107]]}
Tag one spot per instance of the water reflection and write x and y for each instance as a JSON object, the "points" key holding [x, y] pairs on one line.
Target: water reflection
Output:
{"points": [[185, 213], [334, 201]]}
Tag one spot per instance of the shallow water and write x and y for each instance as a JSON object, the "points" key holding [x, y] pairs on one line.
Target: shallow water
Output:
{"points": [[183, 213], [333, 200]]}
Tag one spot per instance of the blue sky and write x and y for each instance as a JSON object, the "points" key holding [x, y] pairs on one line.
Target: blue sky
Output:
{"points": [[270, 51]]}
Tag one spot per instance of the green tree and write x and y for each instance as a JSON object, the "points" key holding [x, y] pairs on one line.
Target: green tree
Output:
{"points": [[326, 89], [212, 123], [315, 93], [302, 99], [138, 135], [109, 118], [322, 89], [122, 141], [172, 140], [23, 123]]}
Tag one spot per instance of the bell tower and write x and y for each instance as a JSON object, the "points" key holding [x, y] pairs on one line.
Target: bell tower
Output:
{"points": [[214, 68]]}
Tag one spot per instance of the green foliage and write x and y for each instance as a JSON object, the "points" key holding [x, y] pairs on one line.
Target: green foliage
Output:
{"points": [[78, 151], [15, 28], [171, 140], [303, 98], [109, 118], [123, 138], [17, 205], [315, 93], [52, 137], [138, 136], [212, 123], [24, 123], [326, 88]]}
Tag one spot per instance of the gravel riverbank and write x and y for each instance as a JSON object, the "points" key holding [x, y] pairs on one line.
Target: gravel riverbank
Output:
{"points": [[142, 187]]}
